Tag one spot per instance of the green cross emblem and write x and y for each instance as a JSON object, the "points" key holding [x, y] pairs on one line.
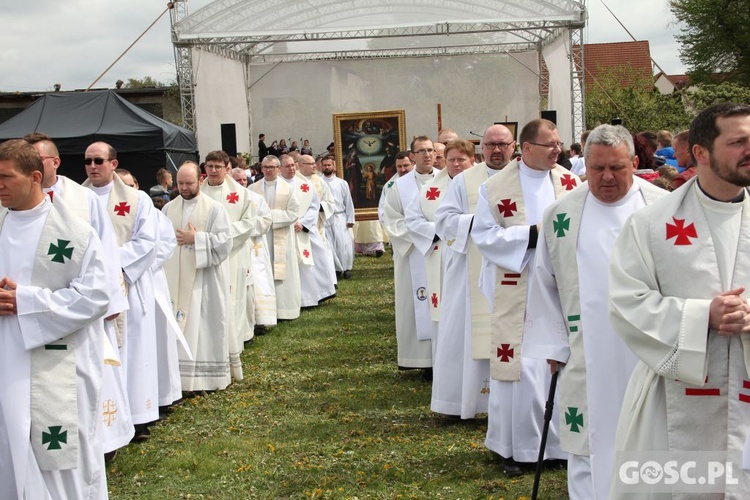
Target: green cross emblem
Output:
{"points": [[54, 437], [573, 319], [390, 184], [574, 419], [60, 251], [561, 225]]}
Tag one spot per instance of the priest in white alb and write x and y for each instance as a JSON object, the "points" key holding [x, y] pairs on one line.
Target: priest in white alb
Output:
{"points": [[136, 229], [460, 384], [280, 239], [678, 299], [222, 188], [568, 309], [198, 276], [413, 324], [53, 297], [505, 230], [341, 222]]}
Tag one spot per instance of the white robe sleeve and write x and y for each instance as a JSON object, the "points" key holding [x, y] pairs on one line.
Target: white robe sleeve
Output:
{"points": [[505, 247], [310, 218], [167, 240], [213, 246], [669, 334], [241, 229], [137, 255], [46, 316], [545, 336], [264, 219], [394, 222], [452, 218], [348, 203], [421, 231]]}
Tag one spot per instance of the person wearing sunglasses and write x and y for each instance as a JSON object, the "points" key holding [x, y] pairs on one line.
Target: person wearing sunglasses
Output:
{"points": [[136, 228], [505, 230]]}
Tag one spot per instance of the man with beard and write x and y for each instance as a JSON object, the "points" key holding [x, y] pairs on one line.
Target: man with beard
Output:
{"points": [[342, 220], [678, 275], [198, 273], [461, 383], [505, 229]]}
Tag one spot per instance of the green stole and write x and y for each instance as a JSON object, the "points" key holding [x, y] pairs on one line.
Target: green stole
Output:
{"points": [[506, 202], [54, 396]]}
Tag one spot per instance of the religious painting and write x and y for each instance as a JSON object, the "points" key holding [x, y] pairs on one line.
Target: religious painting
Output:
{"points": [[366, 147]]}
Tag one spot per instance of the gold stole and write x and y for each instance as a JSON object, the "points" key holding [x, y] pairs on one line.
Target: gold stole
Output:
{"points": [[54, 395], [480, 308], [506, 202], [122, 207], [180, 268], [429, 201], [304, 197], [280, 202]]}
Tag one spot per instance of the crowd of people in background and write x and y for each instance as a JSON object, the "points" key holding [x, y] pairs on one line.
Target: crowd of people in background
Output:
{"points": [[512, 263]]}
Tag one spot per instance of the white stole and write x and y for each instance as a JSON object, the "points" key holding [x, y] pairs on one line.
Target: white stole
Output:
{"points": [[122, 207], [304, 196], [280, 202], [506, 202]]}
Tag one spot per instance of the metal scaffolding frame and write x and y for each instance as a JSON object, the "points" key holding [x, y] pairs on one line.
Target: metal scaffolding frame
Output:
{"points": [[247, 31]]}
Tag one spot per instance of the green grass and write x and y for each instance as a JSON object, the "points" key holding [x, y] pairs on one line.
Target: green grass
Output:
{"points": [[323, 412]]}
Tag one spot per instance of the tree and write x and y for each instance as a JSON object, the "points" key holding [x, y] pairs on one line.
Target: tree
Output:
{"points": [[716, 38], [708, 94], [146, 81], [640, 106]]}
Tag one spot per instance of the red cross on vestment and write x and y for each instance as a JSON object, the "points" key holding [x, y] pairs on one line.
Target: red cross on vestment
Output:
{"points": [[507, 207], [306, 253], [568, 181], [703, 391], [511, 279], [745, 398], [434, 300], [504, 352], [432, 193], [305, 188], [122, 208], [683, 233], [233, 198]]}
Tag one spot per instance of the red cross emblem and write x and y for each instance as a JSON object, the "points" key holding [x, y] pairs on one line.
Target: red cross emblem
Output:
{"points": [[306, 253], [507, 207], [233, 198], [122, 208], [305, 188], [432, 193], [683, 233], [568, 181], [434, 300], [504, 352]]}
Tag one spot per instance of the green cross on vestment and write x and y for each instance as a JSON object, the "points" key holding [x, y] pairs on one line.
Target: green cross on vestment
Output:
{"points": [[573, 319], [574, 419], [60, 251], [561, 225], [54, 437], [390, 184]]}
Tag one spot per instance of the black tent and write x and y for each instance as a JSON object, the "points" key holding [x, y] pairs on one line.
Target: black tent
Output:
{"points": [[144, 142]]}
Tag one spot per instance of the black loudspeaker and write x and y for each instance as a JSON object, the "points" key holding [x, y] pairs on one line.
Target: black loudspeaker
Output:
{"points": [[229, 139], [550, 115]]}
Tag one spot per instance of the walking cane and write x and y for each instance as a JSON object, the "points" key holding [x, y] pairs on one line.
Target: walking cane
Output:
{"points": [[547, 418]]}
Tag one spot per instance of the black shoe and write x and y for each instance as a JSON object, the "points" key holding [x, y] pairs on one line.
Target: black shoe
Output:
{"points": [[347, 275], [511, 468], [260, 330], [108, 457], [338, 275], [378, 253], [141, 434], [427, 374], [555, 464]]}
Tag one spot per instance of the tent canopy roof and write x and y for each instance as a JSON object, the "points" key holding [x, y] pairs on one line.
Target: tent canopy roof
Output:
{"points": [[265, 31]]}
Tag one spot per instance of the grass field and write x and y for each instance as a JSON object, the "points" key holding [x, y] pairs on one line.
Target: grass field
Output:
{"points": [[323, 412]]}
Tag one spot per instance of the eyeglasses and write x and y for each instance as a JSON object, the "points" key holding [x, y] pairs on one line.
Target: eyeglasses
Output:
{"points": [[548, 146], [269, 167], [97, 161], [494, 145], [214, 167], [422, 151]]}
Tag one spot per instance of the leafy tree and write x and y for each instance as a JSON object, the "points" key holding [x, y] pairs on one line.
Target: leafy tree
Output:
{"points": [[146, 81], [715, 39], [708, 94], [640, 106]]}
